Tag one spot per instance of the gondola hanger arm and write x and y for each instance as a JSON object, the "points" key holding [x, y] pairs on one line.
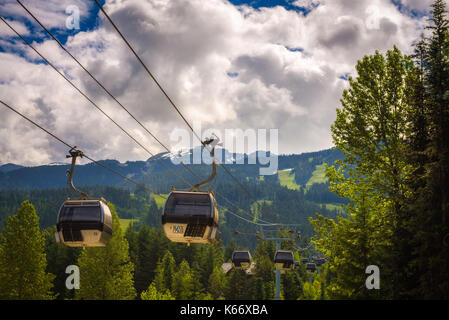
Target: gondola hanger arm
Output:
{"points": [[75, 153], [212, 142]]}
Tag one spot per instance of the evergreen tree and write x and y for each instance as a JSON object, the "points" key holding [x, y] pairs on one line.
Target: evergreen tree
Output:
{"points": [[431, 208], [157, 248], [144, 273], [183, 282], [165, 272], [209, 258], [131, 238], [106, 273], [58, 259], [22, 258], [153, 215], [263, 282], [291, 285], [238, 286], [217, 283]]}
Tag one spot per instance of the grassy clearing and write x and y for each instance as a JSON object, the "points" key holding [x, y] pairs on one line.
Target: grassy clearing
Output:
{"points": [[124, 223], [332, 206], [318, 176], [255, 208], [160, 199], [287, 179]]}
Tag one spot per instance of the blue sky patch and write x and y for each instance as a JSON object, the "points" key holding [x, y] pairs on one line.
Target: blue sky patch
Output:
{"points": [[344, 76], [294, 49], [415, 14], [257, 4], [88, 22]]}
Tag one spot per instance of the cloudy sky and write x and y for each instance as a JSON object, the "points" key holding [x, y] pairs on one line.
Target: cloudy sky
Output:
{"points": [[278, 64]]}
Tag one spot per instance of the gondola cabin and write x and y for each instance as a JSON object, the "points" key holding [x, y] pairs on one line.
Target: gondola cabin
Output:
{"points": [[310, 267], [241, 260], [84, 223], [191, 217], [283, 260], [319, 261]]}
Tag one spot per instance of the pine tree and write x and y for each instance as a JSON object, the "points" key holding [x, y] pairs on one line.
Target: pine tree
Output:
{"points": [[152, 217], [144, 273], [157, 248], [183, 282], [238, 285], [209, 258], [58, 258], [131, 237], [291, 285], [431, 208], [106, 273], [217, 283], [165, 272], [262, 285], [22, 258]]}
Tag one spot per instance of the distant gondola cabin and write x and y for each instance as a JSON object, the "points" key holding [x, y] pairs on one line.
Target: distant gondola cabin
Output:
{"points": [[283, 260], [241, 259]]}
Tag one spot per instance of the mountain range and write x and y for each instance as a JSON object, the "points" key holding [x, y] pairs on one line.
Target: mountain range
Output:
{"points": [[157, 170]]}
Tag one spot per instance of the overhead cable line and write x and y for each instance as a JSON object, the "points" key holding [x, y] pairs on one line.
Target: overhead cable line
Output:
{"points": [[104, 166], [120, 127], [74, 147], [92, 102], [94, 78], [170, 100], [116, 100]]}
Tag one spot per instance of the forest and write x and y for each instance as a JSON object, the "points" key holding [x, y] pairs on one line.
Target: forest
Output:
{"points": [[384, 203]]}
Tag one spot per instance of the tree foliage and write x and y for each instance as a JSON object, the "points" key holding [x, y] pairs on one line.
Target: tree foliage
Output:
{"points": [[23, 261], [106, 273]]}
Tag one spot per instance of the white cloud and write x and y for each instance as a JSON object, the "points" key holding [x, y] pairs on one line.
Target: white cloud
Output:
{"points": [[191, 47], [53, 12]]}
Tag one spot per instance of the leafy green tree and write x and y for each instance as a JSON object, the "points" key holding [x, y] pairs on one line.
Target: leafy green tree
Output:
{"points": [[22, 258], [312, 291], [370, 130], [106, 273], [152, 294]]}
